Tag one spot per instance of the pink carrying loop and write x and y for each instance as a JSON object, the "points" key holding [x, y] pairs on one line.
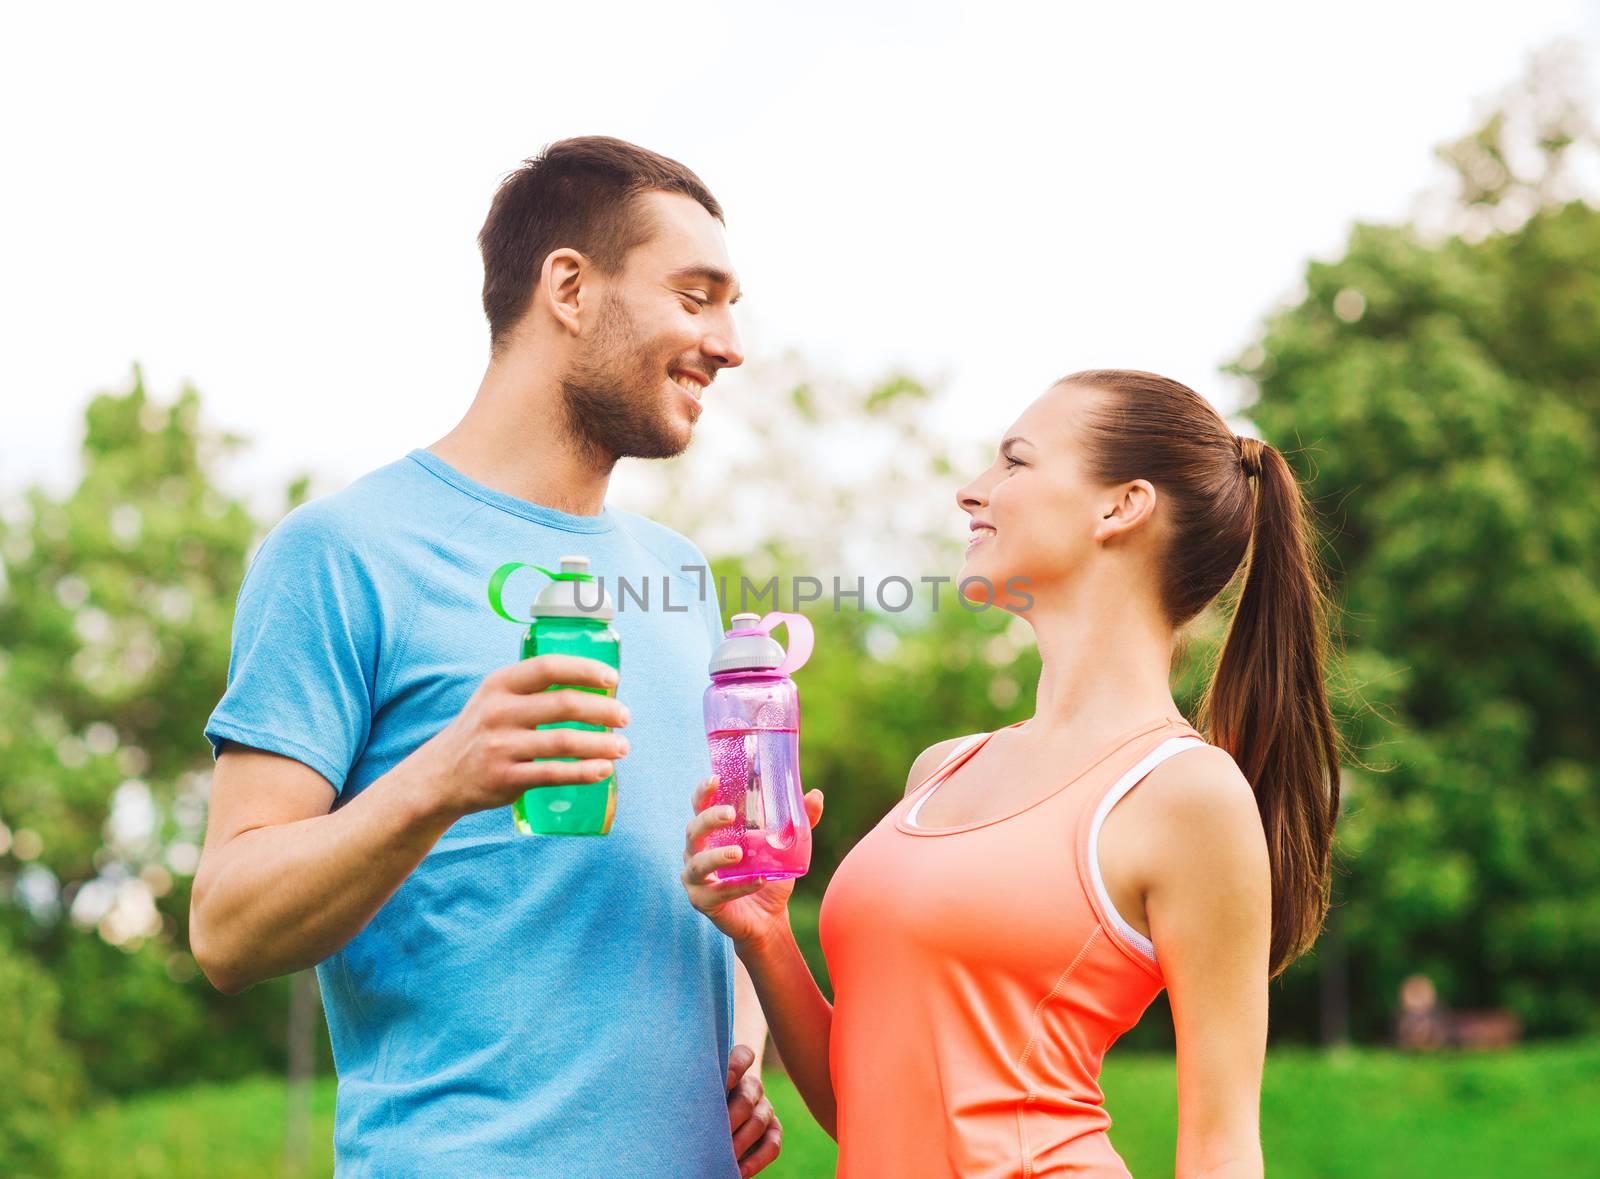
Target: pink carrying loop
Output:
{"points": [[801, 639]]}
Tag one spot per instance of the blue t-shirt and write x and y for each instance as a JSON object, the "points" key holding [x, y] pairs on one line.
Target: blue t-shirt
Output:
{"points": [[522, 1006]]}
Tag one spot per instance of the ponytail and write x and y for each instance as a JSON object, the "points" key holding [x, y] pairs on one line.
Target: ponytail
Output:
{"points": [[1268, 707], [1231, 502]]}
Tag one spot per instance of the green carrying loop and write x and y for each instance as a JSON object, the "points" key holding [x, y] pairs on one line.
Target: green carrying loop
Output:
{"points": [[497, 585]]}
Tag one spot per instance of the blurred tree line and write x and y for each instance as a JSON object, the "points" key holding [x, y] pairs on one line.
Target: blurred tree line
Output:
{"points": [[115, 612], [1438, 388]]}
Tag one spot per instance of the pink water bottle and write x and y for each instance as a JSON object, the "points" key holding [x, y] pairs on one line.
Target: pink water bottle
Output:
{"points": [[753, 726]]}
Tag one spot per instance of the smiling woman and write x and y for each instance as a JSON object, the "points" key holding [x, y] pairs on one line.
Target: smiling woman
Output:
{"points": [[1039, 886]]}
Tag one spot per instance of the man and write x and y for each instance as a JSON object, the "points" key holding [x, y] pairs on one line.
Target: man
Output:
{"points": [[501, 1004]]}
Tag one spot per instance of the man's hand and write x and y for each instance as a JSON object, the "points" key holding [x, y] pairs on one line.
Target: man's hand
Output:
{"points": [[488, 755], [757, 1136]]}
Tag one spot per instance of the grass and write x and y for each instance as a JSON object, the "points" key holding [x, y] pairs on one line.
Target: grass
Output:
{"points": [[1366, 1113]]}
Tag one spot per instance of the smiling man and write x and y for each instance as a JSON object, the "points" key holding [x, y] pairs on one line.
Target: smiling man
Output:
{"points": [[501, 1004]]}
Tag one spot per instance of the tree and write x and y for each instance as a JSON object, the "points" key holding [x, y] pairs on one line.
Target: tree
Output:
{"points": [[43, 1082], [1440, 394], [115, 615]]}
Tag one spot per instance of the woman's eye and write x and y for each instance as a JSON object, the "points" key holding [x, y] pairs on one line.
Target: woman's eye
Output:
{"points": [[1012, 462]]}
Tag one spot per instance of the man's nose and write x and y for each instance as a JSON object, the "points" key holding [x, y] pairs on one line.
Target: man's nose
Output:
{"points": [[723, 347]]}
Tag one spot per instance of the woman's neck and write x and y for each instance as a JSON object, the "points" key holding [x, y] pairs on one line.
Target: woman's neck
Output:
{"points": [[1106, 663]]}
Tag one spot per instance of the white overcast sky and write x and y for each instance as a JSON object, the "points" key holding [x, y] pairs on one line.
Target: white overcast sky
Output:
{"points": [[278, 202]]}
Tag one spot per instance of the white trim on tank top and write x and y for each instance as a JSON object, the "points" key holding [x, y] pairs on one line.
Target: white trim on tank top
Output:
{"points": [[911, 815], [1118, 791], [1113, 796]]}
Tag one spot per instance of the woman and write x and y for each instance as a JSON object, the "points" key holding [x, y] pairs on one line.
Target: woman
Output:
{"points": [[1023, 904]]}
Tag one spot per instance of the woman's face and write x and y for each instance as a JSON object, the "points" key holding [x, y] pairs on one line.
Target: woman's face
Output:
{"points": [[1035, 512]]}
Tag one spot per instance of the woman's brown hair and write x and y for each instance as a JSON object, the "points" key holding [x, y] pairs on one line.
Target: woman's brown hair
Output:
{"points": [[1234, 501]]}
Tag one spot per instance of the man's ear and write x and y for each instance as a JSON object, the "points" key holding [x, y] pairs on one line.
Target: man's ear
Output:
{"points": [[1133, 506], [561, 287]]}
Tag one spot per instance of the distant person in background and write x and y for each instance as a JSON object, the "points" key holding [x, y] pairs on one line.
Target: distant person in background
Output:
{"points": [[1423, 1024], [499, 1004], [1040, 885]]}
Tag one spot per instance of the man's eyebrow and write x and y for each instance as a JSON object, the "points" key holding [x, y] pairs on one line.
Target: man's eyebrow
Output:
{"points": [[710, 274]]}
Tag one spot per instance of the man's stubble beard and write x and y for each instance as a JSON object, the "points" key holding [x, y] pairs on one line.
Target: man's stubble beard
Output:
{"points": [[611, 396]]}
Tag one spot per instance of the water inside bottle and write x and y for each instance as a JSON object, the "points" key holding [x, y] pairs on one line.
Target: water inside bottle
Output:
{"points": [[755, 772]]}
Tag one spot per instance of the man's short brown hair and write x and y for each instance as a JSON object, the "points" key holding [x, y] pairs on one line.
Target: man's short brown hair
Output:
{"points": [[580, 194]]}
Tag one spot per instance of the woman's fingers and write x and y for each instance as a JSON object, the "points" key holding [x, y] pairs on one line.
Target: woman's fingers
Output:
{"points": [[814, 806], [709, 898], [703, 793], [705, 890], [697, 869], [702, 825]]}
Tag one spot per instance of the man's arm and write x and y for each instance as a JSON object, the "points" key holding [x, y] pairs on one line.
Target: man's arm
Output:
{"points": [[284, 881], [749, 1022]]}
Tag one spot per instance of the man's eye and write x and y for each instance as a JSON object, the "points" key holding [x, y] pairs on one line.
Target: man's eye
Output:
{"points": [[696, 300]]}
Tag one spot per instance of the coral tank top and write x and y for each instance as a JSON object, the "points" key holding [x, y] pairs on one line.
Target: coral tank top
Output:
{"points": [[980, 973]]}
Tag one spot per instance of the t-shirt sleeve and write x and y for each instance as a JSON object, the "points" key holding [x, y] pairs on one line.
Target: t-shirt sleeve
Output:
{"points": [[303, 667]]}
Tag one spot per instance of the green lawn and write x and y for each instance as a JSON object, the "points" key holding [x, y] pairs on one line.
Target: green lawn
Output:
{"points": [[1364, 1114]]}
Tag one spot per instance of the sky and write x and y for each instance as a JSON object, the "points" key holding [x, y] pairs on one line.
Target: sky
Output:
{"points": [[279, 204]]}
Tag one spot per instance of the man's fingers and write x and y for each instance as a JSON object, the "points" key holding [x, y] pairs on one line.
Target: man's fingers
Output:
{"points": [[567, 704], [703, 793], [539, 672], [527, 775], [747, 1135], [764, 1151], [739, 1062], [542, 671], [532, 744]]}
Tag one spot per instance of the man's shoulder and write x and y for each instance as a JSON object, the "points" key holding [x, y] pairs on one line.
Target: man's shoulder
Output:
{"points": [[670, 547], [368, 517]]}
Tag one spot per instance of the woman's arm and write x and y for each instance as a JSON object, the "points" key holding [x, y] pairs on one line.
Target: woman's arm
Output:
{"points": [[799, 1017], [755, 915], [1208, 898]]}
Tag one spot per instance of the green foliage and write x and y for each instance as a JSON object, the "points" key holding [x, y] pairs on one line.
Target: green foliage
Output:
{"points": [[115, 615], [42, 1083], [219, 1131], [1375, 1115], [1442, 400], [1383, 1115]]}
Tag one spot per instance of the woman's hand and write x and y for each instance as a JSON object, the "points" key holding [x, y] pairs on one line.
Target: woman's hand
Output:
{"points": [[748, 911]]}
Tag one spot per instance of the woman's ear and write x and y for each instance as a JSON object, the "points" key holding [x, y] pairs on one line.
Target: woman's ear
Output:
{"points": [[561, 282], [1134, 504]]}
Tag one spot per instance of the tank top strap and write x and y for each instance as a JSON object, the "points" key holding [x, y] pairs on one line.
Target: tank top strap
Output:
{"points": [[1126, 767], [963, 750], [1134, 765]]}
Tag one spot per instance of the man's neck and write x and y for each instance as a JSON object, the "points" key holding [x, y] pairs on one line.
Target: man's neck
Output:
{"points": [[514, 440]]}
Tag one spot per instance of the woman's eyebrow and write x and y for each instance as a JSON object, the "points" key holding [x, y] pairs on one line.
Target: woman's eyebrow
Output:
{"points": [[1014, 438]]}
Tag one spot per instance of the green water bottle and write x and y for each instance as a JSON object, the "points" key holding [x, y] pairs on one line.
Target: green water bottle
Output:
{"points": [[571, 616]]}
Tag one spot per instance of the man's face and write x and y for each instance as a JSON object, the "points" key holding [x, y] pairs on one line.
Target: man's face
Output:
{"points": [[663, 329]]}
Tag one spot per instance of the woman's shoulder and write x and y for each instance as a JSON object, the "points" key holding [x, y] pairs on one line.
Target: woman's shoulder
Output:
{"points": [[932, 758], [1198, 804], [1196, 782]]}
